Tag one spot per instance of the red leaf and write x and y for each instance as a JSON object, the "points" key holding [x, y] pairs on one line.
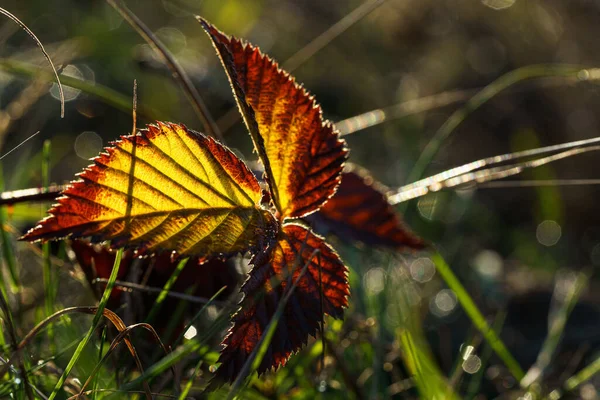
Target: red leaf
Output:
{"points": [[360, 211], [324, 282], [302, 154]]}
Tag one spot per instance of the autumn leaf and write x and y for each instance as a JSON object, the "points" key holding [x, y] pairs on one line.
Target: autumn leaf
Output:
{"points": [[164, 189], [359, 211], [322, 289], [302, 154]]}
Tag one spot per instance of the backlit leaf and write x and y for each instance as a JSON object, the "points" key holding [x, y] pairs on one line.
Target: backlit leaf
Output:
{"points": [[165, 189], [302, 154], [324, 282], [360, 211]]}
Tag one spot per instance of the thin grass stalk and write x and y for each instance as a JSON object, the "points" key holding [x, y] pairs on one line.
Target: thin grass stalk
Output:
{"points": [[49, 280], [41, 46], [95, 322], [556, 327], [477, 317], [505, 81], [7, 252], [166, 289], [179, 74], [188, 386], [95, 382], [198, 314]]}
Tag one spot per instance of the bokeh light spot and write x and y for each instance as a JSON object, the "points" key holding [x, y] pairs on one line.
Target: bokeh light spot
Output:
{"points": [[488, 263], [374, 280], [548, 233], [471, 364], [422, 269], [69, 92], [498, 4], [443, 303], [88, 144]]}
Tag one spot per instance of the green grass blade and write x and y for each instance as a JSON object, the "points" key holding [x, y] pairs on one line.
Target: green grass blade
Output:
{"points": [[7, 250], [189, 384], [198, 314], [49, 281], [78, 351], [107, 95], [556, 328], [165, 290], [504, 82], [429, 381], [477, 317]]}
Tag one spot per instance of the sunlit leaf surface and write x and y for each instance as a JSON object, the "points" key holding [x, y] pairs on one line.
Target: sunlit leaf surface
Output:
{"points": [[303, 155], [322, 288], [360, 211], [165, 189]]}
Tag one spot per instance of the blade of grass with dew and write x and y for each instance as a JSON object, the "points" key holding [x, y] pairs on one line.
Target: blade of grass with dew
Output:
{"points": [[165, 290], [482, 97], [95, 322], [107, 95], [556, 327], [476, 316], [190, 383], [196, 347], [177, 355]]}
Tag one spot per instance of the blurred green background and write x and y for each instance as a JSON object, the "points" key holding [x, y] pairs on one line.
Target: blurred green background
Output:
{"points": [[511, 246]]}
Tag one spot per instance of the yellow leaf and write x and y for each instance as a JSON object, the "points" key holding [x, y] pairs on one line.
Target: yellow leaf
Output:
{"points": [[165, 189]]}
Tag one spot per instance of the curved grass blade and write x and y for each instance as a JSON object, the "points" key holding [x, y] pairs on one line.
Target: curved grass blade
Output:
{"points": [[41, 46], [95, 322], [491, 90], [107, 95]]}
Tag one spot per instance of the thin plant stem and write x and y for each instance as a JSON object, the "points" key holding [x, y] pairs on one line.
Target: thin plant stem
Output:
{"points": [[49, 281], [179, 73]]}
